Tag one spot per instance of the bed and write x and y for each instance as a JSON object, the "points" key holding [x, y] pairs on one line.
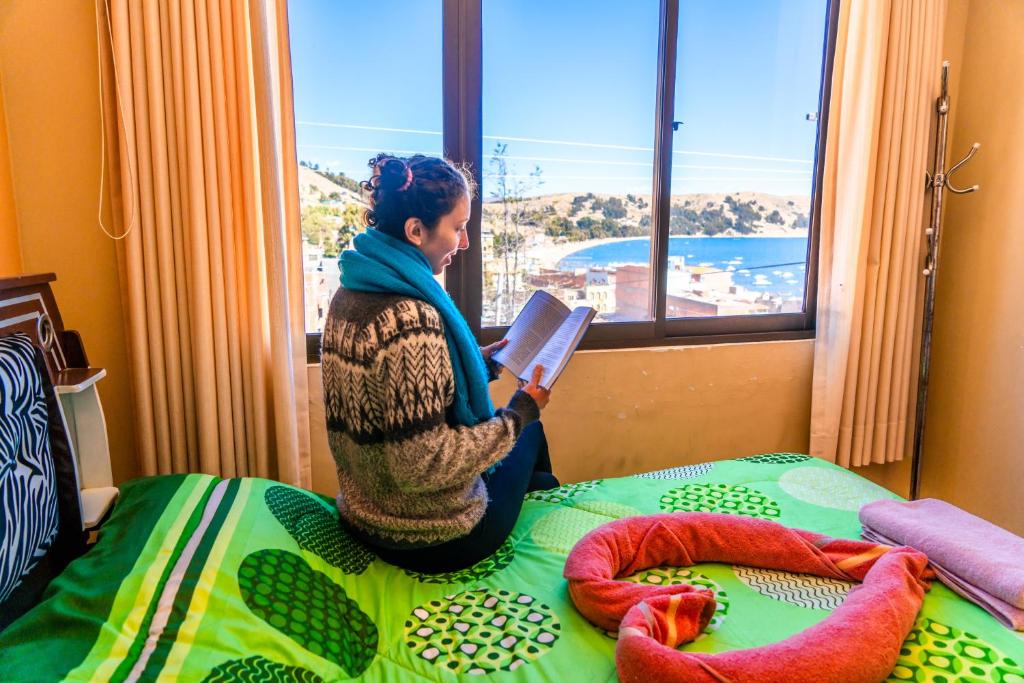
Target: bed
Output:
{"points": [[197, 578]]}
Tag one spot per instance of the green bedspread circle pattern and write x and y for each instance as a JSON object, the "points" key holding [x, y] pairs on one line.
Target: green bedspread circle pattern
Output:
{"points": [[196, 577]]}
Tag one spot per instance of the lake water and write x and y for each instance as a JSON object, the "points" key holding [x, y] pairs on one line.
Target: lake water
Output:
{"points": [[772, 264]]}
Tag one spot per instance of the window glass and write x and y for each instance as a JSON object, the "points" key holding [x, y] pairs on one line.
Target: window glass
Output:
{"points": [[367, 79], [747, 82], [568, 127]]}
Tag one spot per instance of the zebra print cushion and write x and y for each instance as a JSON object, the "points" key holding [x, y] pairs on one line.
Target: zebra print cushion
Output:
{"points": [[28, 486]]}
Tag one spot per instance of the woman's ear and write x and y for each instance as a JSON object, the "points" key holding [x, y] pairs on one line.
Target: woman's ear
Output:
{"points": [[415, 231]]}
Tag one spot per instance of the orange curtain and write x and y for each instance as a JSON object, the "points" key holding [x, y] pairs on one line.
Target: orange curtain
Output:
{"points": [[200, 134], [884, 84]]}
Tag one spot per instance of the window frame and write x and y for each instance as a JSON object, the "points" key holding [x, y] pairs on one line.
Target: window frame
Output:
{"points": [[462, 98]]}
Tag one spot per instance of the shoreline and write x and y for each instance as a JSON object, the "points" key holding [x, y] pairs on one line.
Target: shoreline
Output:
{"points": [[549, 255]]}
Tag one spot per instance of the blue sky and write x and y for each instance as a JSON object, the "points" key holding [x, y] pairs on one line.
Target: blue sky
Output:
{"points": [[569, 86]]}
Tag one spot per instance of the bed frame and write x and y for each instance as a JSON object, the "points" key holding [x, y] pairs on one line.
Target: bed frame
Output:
{"points": [[27, 305]]}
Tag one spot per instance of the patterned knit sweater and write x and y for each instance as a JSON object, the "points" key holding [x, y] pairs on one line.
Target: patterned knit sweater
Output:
{"points": [[408, 475]]}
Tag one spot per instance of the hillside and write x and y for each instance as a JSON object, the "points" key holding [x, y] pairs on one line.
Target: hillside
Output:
{"points": [[313, 184], [567, 217], [331, 214], [577, 217]]}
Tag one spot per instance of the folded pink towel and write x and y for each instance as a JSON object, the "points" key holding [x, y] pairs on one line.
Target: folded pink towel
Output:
{"points": [[858, 643], [977, 559]]}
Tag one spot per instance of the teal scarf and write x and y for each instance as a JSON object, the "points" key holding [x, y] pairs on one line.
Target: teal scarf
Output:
{"points": [[380, 263]]}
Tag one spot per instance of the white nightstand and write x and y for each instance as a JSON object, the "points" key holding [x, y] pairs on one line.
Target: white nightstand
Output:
{"points": [[87, 432]]}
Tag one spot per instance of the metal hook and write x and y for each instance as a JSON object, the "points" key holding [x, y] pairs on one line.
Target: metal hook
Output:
{"points": [[956, 167]]}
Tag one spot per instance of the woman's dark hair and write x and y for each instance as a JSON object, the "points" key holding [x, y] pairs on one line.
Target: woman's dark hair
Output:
{"points": [[414, 187]]}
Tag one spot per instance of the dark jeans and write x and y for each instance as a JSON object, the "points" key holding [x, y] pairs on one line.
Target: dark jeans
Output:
{"points": [[526, 468]]}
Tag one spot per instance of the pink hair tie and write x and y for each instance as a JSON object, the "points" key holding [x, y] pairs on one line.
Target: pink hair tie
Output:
{"points": [[408, 180]]}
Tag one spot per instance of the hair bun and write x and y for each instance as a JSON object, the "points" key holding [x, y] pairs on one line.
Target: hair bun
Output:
{"points": [[394, 173], [420, 187]]}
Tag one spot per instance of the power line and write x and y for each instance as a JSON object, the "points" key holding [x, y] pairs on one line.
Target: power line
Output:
{"points": [[353, 126], [608, 162], [518, 176], [770, 265], [372, 150], [741, 168], [545, 141], [593, 162]]}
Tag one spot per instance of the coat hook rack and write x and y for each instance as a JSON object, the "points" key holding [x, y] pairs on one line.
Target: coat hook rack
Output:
{"points": [[935, 182]]}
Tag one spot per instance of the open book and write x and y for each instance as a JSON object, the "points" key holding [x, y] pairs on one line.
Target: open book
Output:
{"points": [[545, 333]]}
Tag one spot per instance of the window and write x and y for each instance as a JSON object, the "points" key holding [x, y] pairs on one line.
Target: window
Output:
{"points": [[655, 160], [359, 90], [567, 156], [748, 78]]}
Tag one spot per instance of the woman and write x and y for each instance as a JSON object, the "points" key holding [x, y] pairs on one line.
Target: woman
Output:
{"points": [[431, 477]]}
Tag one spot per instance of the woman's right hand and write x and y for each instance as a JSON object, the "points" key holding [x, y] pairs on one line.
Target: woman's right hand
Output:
{"points": [[539, 394]]}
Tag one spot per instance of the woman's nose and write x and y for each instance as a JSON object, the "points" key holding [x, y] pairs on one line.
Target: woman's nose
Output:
{"points": [[464, 239]]}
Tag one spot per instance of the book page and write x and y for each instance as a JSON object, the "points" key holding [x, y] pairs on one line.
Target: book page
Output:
{"points": [[539, 319], [561, 344]]}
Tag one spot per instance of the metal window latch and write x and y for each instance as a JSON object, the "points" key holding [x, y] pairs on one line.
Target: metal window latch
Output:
{"points": [[813, 116]]}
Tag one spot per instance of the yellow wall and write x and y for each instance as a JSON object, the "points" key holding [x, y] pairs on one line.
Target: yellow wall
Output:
{"points": [[613, 412], [896, 476], [620, 412], [973, 453], [50, 84], [10, 248], [974, 426]]}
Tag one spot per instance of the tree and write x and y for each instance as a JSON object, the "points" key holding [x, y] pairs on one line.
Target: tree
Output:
{"points": [[318, 222], [558, 226], [505, 243], [577, 204], [352, 222], [510, 191], [342, 180], [611, 228], [331, 228], [611, 207], [746, 212]]}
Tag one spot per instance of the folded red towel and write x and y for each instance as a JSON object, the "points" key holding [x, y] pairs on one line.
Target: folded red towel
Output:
{"points": [[859, 642]]}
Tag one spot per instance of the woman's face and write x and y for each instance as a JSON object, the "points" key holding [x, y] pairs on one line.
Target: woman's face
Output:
{"points": [[449, 237]]}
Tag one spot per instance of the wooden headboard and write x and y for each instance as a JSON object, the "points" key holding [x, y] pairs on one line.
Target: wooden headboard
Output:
{"points": [[27, 305]]}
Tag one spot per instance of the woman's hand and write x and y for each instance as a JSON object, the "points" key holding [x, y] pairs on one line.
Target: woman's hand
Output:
{"points": [[540, 395], [488, 351]]}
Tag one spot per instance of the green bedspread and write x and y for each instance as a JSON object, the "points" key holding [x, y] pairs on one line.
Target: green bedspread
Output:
{"points": [[198, 578]]}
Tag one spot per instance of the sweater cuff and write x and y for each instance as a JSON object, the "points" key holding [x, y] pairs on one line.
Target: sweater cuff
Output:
{"points": [[493, 369], [523, 405]]}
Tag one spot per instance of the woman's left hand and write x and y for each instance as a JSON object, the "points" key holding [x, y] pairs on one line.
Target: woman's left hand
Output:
{"points": [[488, 351]]}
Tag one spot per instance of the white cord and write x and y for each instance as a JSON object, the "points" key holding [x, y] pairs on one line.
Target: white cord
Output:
{"points": [[103, 142]]}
